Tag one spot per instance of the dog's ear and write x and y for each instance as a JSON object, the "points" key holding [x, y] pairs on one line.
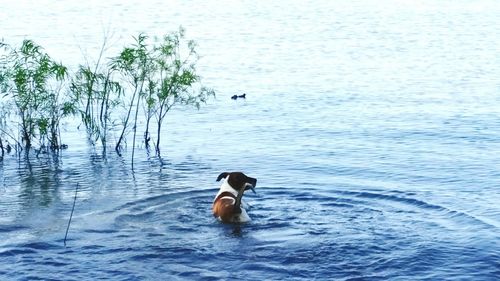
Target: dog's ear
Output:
{"points": [[222, 176]]}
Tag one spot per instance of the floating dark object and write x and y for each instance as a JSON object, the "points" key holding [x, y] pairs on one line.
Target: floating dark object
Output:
{"points": [[243, 96]]}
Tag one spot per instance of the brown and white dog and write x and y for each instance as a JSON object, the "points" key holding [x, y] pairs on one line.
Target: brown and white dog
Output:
{"points": [[228, 206]]}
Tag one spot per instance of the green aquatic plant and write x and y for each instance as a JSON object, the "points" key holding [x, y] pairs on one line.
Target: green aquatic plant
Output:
{"points": [[159, 78], [3, 110], [6, 104], [34, 83], [149, 77], [96, 95], [175, 80], [4, 134], [134, 65]]}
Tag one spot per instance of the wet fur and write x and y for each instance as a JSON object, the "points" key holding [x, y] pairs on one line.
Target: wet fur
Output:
{"points": [[227, 207]]}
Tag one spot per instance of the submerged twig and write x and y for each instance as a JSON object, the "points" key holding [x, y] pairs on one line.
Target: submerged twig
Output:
{"points": [[71, 216]]}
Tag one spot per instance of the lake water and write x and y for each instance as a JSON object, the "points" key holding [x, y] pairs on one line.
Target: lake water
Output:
{"points": [[372, 127]]}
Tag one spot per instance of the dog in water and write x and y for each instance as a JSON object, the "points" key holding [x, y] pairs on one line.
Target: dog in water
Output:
{"points": [[228, 206]]}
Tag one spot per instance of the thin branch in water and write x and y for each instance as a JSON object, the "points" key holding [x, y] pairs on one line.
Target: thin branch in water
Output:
{"points": [[71, 216]]}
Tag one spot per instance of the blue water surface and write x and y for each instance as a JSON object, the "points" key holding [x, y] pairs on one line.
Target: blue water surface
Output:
{"points": [[372, 127]]}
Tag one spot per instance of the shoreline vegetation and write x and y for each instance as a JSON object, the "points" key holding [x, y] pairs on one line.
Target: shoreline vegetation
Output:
{"points": [[147, 77]]}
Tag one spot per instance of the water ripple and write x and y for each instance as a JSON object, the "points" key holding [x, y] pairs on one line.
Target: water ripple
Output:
{"points": [[370, 126]]}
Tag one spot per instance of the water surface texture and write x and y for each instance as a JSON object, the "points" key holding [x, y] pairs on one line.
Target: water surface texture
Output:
{"points": [[372, 127]]}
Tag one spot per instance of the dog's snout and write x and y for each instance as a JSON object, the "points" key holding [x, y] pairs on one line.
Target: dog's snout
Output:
{"points": [[252, 181]]}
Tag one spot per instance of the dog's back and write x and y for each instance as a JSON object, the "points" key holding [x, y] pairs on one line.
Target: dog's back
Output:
{"points": [[224, 208], [227, 204]]}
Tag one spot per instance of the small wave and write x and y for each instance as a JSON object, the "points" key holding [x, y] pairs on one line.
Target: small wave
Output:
{"points": [[40, 246], [419, 204], [100, 231], [12, 228], [17, 251], [405, 200], [168, 196], [137, 217], [143, 257], [53, 263]]}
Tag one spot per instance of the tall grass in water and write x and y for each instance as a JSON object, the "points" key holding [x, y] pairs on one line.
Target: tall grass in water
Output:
{"points": [[96, 95], [32, 82], [160, 77], [133, 64], [6, 104], [175, 81], [152, 77]]}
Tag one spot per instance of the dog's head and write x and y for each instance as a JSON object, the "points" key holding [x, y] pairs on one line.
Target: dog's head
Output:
{"points": [[239, 181]]}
